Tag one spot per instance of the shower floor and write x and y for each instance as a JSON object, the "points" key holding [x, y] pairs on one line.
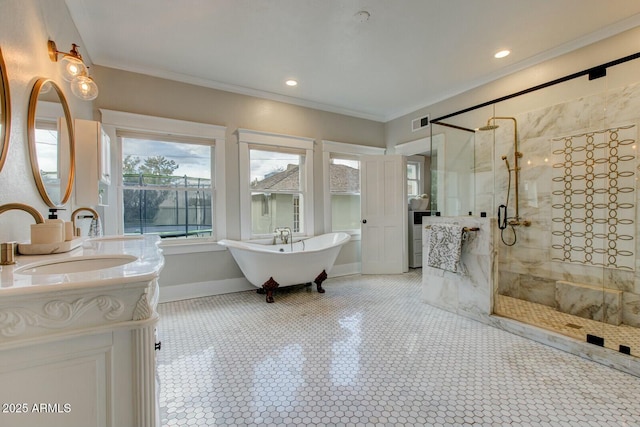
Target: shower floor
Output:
{"points": [[576, 327]]}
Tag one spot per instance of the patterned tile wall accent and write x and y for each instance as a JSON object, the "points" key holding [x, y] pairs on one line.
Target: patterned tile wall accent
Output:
{"points": [[593, 198]]}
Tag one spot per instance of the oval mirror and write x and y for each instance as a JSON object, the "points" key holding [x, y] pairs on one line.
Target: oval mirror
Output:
{"points": [[5, 112], [51, 143]]}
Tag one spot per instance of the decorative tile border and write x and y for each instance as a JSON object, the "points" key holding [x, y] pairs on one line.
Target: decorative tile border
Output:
{"points": [[593, 198]]}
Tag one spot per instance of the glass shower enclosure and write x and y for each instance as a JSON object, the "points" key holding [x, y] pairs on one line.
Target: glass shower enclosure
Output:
{"points": [[557, 169]]}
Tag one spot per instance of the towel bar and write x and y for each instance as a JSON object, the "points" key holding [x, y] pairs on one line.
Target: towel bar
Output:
{"points": [[464, 229]]}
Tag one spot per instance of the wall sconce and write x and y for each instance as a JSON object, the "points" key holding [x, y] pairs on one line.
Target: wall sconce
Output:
{"points": [[74, 71]]}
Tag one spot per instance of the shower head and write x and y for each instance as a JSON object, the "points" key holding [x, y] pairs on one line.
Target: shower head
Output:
{"points": [[488, 127]]}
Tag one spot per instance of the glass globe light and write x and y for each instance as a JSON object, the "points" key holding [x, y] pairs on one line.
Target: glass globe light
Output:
{"points": [[72, 67], [84, 88]]}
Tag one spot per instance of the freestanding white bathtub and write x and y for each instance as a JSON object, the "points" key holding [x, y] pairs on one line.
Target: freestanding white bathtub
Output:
{"points": [[271, 266]]}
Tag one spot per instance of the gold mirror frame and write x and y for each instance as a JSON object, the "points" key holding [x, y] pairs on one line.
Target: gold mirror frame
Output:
{"points": [[31, 132], [5, 114]]}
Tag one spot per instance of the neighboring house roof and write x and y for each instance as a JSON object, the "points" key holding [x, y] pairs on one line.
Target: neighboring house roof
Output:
{"points": [[343, 179], [287, 179]]}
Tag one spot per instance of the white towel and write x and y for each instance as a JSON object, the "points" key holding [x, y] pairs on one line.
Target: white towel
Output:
{"points": [[445, 247]]}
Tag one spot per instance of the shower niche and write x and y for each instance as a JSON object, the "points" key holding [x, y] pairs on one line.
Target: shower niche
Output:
{"points": [[557, 169]]}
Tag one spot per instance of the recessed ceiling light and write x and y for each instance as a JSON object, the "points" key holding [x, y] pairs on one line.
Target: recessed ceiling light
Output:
{"points": [[502, 54], [362, 16], [291, 82]]}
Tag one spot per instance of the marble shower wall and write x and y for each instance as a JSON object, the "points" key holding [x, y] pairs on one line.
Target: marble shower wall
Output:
{"points": [[527, 269]]}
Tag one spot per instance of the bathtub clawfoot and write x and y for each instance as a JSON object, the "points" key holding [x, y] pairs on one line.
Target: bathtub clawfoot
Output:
{"points": [[269, 286], [318, 281]]}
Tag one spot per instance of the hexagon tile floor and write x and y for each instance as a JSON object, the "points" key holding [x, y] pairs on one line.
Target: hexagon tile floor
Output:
{"points": [[369, 353]]}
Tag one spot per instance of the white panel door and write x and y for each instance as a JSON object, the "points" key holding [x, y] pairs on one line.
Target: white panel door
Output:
{"points": [[384, 219]]}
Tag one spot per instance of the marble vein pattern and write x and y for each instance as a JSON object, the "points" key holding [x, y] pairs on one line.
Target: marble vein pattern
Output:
{"points": [[369, 353], [590, 302], [469, 292]]}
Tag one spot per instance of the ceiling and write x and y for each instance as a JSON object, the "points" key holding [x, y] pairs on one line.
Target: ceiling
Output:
{"points": [[407, 55]]}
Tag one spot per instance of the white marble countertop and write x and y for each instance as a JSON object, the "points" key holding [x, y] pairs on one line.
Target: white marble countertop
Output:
{"points": [[147, 265]]}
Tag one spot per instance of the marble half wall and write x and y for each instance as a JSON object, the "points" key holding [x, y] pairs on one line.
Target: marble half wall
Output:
{"points": [[470, 293]]}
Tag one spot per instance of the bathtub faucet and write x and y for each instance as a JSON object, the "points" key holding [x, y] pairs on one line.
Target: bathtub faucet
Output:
{"points": [[283, 233]]}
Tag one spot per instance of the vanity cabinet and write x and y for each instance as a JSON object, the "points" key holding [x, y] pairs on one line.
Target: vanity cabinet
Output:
{"points": [[78, 349], [93, 163]]}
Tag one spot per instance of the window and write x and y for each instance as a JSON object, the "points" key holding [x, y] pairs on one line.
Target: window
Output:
{"points": [[171, 177], [46, 137], [413, 179], [166, 187], [276, 182], [277, 179], [342, 184]]}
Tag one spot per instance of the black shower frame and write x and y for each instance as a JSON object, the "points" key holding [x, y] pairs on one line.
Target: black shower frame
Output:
{"points": [[593, 73]]}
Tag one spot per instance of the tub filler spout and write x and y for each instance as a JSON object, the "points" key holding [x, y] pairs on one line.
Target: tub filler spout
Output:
{"points": [[270, 267]]}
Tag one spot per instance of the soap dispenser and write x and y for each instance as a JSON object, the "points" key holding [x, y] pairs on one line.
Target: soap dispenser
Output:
{"points": [[67, 226], [53, 218], [53, 213], [48, 232]]}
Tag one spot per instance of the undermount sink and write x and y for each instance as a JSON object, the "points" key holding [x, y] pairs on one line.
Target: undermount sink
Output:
{"points": [[75, 264], [116, 238]]}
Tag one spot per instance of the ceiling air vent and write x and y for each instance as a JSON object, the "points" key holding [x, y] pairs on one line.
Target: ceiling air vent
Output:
{"points": [[420, 123]]}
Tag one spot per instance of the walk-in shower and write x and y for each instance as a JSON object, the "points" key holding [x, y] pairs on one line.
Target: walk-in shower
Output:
{"points": [[572, 163], [504, 220]]}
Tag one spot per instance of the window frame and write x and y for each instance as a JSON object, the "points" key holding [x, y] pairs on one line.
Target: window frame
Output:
{"points": [[419, 162], [248, 139], [164, 128], [330, 148]]}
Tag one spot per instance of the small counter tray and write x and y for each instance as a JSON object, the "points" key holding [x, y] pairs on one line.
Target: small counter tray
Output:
{"points": [[48, 248]]}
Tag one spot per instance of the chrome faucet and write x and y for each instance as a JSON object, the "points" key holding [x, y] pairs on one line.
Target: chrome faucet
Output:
{"points": [[283, 233]]}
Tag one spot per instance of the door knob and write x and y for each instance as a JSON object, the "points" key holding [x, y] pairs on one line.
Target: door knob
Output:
{"points": [[364, 221]]}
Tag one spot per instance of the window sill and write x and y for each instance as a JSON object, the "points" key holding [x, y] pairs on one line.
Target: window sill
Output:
{"points": [[190, 246], [356, 235]]}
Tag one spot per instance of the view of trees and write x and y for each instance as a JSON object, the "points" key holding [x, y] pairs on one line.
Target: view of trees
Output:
{"points": [[140, 205]]}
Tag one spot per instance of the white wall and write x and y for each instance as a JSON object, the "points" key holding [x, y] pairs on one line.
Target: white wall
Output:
{"points": [[26, 26]]}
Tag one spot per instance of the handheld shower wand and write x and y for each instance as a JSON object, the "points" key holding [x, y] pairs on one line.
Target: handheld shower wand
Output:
{"points": [[503, 220], [507, 162]]}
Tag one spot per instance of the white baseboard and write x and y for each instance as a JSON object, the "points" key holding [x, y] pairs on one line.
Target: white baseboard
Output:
{"points": [[345, 269], [203, 289]]}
